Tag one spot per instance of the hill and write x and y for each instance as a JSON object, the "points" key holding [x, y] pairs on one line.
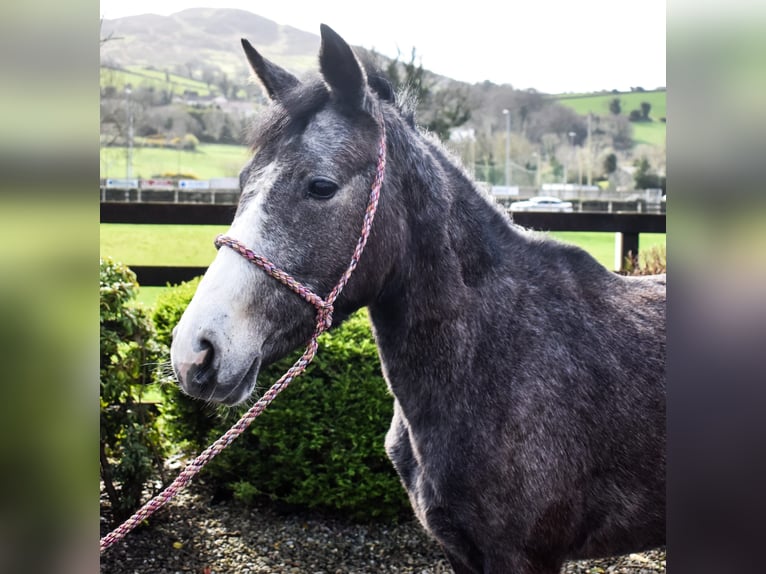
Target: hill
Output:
{"points": [[196, 37]]}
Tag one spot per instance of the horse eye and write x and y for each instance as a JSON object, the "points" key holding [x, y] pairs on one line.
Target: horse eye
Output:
{"points": [[322, 188]]}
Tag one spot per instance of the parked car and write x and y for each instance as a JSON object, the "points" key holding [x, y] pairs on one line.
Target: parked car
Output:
{"points": [[541, 203]]}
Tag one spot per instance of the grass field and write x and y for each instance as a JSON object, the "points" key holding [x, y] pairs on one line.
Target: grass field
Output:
{"points": [[599, 103], [139, 77], [652, 133], [207, 161], [192, 245]]}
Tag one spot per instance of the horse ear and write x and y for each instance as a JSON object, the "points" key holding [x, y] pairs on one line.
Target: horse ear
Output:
{"points": [[276, 80], [340, 68]]}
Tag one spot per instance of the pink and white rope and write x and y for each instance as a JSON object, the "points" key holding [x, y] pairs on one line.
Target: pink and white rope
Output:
{"points": [[324, 321]]}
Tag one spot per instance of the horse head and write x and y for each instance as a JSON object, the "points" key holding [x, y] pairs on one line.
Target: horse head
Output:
{"points": [[303, 200]]}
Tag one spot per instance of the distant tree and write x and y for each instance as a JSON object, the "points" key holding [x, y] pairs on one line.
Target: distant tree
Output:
{"points": [[226, 135], [410, 76], [619, 130], [209, 75], [192, 66], [224, 83], [556, 119], [525, 103], [438, 110], [557, 168], [615, 107], [610, 164], [449, 109], [644, 176], [189, 142], [646, 107]]}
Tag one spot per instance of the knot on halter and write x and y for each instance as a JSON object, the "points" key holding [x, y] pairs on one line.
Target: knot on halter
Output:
{"points": [[324, 315]]}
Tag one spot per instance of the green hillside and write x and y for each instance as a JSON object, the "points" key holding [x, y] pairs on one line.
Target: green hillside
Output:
{"points": [[140, 77], [599, 103], [205, 37], [652, 133]]}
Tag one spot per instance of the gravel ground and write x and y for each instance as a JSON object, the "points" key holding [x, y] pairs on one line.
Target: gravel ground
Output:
{"points": [[193, 535]]}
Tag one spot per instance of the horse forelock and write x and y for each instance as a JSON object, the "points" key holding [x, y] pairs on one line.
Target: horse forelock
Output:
{"points": [[290, 114], [297, 106]]}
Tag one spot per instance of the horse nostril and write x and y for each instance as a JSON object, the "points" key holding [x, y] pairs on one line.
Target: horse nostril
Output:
{"points": [[197, 371], [205, 355]]}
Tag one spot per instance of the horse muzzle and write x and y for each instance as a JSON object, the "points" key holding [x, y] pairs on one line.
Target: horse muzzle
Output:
{"points": [[197, 367]]}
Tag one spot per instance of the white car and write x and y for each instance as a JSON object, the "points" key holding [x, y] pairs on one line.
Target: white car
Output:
{"points": [[542, 203]]}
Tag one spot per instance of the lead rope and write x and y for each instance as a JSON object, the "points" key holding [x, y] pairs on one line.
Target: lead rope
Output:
{"points": [[323, 322]]}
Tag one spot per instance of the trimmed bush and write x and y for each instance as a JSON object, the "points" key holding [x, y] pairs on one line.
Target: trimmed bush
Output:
{"points": [[188, 422], [130, 442], [652, 261], [319, 444]]}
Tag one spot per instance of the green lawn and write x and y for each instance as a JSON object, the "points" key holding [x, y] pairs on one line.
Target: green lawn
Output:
{"points": [[172, 245], [206, 162], [601, 245], [192, 245]]}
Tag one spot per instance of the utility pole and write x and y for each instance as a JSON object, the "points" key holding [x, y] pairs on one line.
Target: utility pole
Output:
{"points": [[537, 171], [507, 114], [129, 158], [590, 151], [571, 143]]}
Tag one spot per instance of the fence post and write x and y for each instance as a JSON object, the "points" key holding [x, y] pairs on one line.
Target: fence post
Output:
{"points": [[624, 244]]}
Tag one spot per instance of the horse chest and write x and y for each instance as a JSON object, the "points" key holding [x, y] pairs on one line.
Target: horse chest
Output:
{"points": [[423, 458], [407, 456]]}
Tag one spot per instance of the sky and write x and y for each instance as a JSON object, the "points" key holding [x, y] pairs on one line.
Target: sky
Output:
{"points": [[553, 46]]}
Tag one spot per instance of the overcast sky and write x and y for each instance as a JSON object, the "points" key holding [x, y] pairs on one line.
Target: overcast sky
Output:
{"points": [[551, 45]]}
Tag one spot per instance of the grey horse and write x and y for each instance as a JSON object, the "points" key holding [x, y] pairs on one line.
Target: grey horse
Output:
{"points": [[528, 380]]}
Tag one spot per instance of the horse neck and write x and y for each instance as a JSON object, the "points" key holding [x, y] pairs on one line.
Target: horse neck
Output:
{"points": [[449, 262]]}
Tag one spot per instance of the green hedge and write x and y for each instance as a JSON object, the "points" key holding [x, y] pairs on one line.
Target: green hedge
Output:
{"points": [[319, 444], [131, 446]]}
